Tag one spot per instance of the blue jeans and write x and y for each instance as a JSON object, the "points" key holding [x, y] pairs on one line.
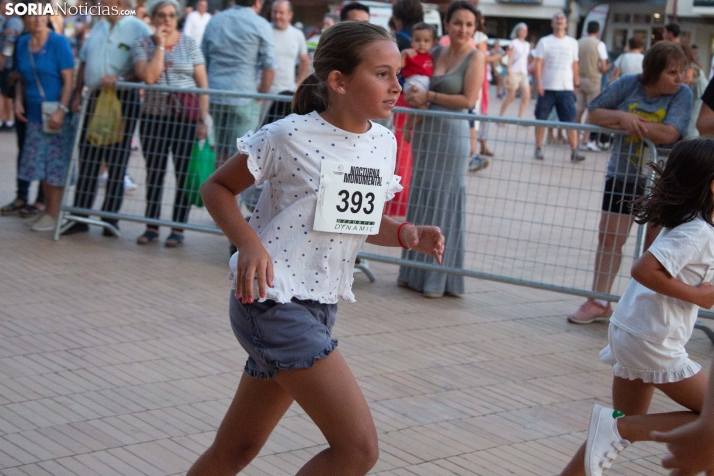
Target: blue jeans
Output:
{"points": [[564, 102]]}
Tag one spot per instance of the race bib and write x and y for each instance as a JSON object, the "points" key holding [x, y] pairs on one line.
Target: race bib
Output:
{"points": [[351, 198]]}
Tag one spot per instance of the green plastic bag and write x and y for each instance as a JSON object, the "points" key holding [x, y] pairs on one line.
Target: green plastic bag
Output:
{"points": [[201, 166]]}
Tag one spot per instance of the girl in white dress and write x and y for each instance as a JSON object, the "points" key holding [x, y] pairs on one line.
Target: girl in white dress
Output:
{"points": [[656, 315]]}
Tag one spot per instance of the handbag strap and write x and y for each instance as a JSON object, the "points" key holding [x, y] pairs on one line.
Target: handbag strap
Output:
{"points": [[34, 71]]}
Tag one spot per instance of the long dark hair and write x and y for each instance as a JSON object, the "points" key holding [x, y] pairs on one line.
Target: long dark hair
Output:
{"points": [[683, 189], [340, 49]]}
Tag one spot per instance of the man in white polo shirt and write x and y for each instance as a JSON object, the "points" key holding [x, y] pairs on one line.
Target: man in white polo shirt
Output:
{"points": [[556, 70]]}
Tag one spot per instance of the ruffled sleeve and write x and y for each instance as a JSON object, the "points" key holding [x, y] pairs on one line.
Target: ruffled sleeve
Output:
{"points": [[394, 187], [261, 160]]}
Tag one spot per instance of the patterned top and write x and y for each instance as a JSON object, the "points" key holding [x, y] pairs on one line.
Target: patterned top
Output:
{"points": [[179, 61], [309, 264]]}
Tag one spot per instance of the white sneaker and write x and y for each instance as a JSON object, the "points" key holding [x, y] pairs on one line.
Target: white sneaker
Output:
{"points": [[604, 441], [593, 146], [45, 223], [129, 185], [102, 179]]}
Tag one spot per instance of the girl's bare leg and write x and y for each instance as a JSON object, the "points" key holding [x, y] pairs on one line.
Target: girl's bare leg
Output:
{"points": [[633, 397], [256, 409], [688, 392], [329, 394]]}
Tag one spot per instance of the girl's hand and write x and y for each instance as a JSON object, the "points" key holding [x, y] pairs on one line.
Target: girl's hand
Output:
{"points": [[424, 239], [706, 295], [253, 261], [415, 97], [633, 124], [691, 449]]}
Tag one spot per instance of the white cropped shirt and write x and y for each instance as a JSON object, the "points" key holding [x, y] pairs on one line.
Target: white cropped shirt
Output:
{"points": [[687, 253], [308, 264]]}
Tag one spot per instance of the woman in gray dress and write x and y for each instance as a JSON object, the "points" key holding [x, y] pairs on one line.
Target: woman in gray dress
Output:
{"points": [[441, 151]]}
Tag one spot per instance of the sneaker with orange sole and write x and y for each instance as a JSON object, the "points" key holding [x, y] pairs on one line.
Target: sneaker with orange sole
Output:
{"points": [[590, 312]]}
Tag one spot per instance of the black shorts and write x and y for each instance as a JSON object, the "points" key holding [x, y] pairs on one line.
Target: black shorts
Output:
{"points": [[619, 195]]}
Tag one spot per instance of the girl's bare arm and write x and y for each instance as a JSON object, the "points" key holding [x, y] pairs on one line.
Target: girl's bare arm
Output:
{"points": [[649, 272]]}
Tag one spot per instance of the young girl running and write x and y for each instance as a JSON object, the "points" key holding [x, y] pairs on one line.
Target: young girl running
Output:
{"points": [[329, 170], [655, 316]]}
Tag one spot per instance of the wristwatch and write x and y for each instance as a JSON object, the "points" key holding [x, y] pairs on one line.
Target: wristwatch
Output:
{"points": [[63, 107]]}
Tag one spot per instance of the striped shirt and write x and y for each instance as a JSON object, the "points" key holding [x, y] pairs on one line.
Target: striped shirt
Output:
{"points": [[179, 62]]}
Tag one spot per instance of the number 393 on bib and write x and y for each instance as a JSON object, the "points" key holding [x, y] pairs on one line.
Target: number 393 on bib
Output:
{"points": [[351, 198]]}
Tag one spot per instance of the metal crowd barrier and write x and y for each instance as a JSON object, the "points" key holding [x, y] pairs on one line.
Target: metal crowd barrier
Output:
{"points": [[524, 221], [100, 201]]}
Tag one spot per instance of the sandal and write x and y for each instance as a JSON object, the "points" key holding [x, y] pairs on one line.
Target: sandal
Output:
{"points": [[149, 236], [30, 211], [174, 240], [13, 208]]}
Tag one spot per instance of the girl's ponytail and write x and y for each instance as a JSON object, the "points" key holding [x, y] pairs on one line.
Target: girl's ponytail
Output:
{"points": [[310, 96]]}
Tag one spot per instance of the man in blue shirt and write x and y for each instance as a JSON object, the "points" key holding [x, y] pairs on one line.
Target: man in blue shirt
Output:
{"points": [[237, 44], [105, 59]]}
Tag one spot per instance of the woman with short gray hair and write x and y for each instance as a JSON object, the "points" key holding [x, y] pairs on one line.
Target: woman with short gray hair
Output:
{"points": [[170, 120]]}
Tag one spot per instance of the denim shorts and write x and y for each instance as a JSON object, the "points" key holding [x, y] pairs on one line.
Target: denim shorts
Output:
{"points": [[282, 336], [564, 102]]}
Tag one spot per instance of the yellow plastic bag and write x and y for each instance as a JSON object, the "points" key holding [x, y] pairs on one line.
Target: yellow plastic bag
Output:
{"points": [[106, 125]]}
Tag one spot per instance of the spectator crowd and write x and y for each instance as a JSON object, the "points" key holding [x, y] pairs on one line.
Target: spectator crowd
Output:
{"points": [[252, 47]]}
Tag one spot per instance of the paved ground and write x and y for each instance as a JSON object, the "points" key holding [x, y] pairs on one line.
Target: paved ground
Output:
{"points": [[119, 360]]}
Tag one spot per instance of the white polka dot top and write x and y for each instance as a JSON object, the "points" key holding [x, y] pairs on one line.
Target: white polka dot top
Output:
{"points": [[308, 264]]}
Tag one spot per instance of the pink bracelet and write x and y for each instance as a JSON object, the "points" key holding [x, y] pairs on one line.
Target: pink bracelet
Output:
{"points": [[399, 228]]}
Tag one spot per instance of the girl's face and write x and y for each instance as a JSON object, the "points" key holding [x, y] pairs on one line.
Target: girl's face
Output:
{"points": [[372, 89], [461, 26], [422, 41], [670, 79], [522, 33]]}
